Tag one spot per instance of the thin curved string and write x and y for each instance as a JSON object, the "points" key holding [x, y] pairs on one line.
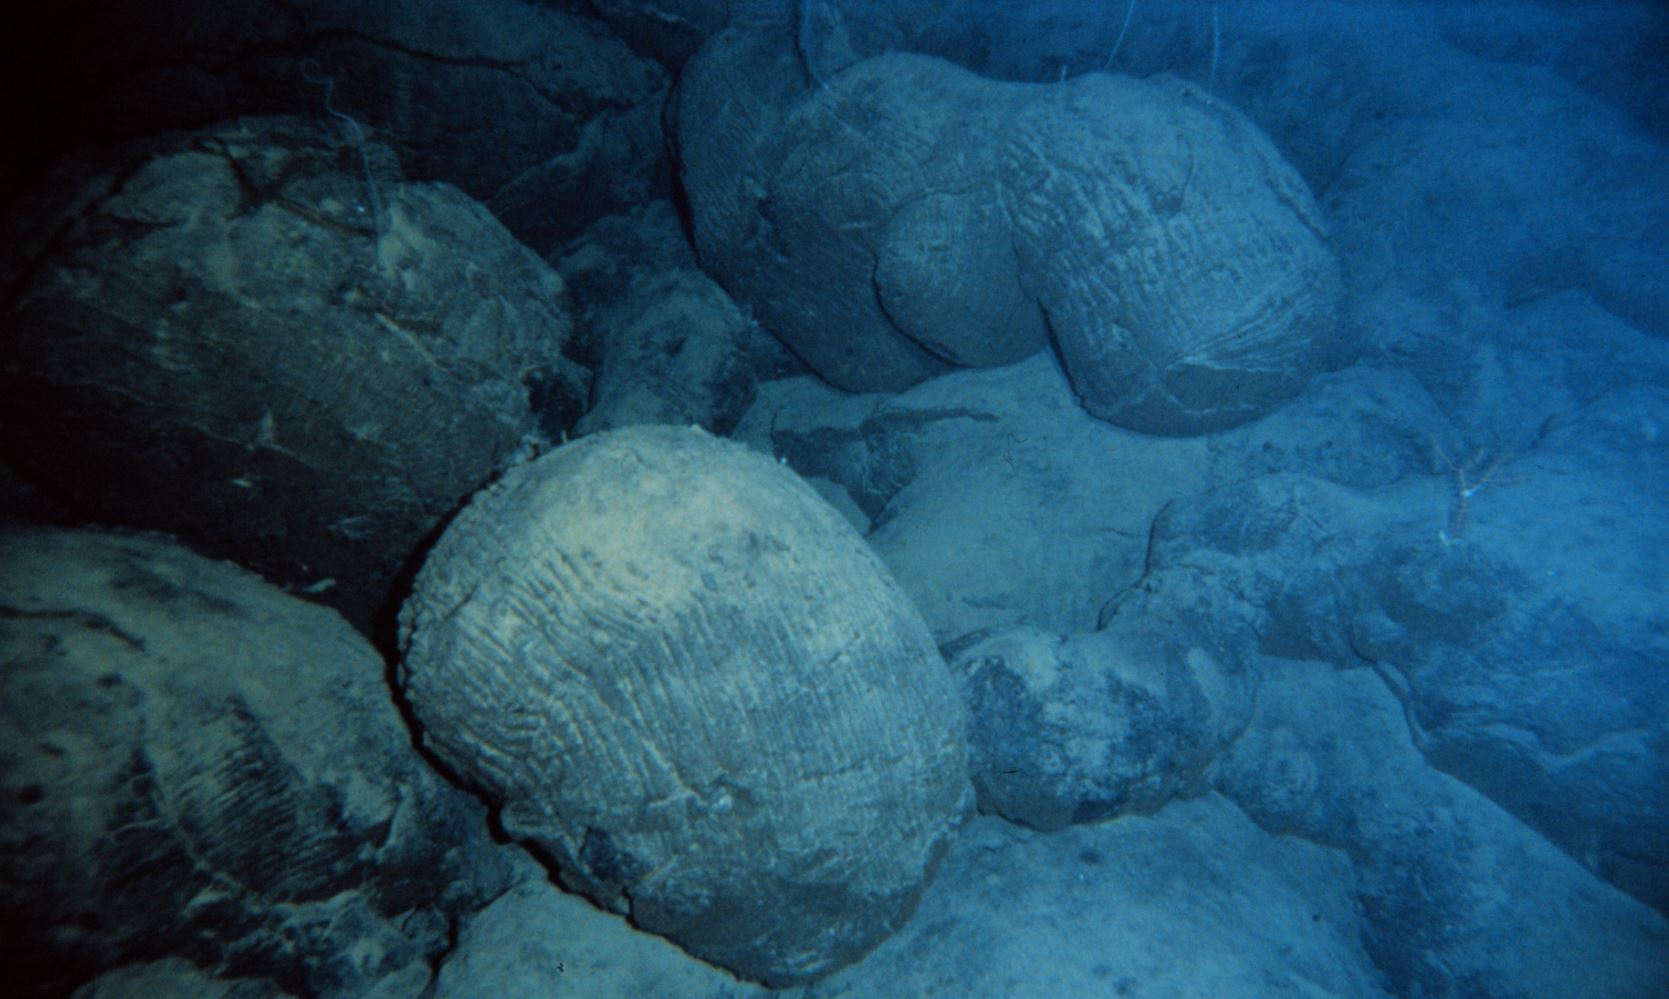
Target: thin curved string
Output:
{"points": [[313, 73], [1128, 13]]}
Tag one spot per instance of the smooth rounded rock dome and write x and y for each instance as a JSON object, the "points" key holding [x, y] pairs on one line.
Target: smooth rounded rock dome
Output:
{"points": [[686, 679]]}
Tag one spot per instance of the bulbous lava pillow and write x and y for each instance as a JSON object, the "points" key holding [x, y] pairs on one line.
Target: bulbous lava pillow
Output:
{"points": [[684, 676], [906, 214]]}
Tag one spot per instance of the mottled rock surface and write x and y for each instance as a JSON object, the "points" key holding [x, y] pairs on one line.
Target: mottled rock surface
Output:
{"points": [[198, 766], [666, 343], [1080, 728]]}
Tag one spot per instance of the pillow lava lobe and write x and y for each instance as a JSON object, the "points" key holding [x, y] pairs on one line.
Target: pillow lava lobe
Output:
{"points": [[686, 679]]}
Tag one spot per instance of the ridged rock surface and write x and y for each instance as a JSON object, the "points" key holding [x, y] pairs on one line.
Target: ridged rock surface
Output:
{"points": [[687, 680], [900, 214], [1181, 261]]}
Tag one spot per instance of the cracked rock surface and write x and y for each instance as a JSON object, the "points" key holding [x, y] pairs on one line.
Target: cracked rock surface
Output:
{"points": [[241, 337]]}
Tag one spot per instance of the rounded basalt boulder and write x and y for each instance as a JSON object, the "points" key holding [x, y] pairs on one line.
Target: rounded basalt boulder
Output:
{"points": [[1085, 727], [262, 340], [689, 682]]}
